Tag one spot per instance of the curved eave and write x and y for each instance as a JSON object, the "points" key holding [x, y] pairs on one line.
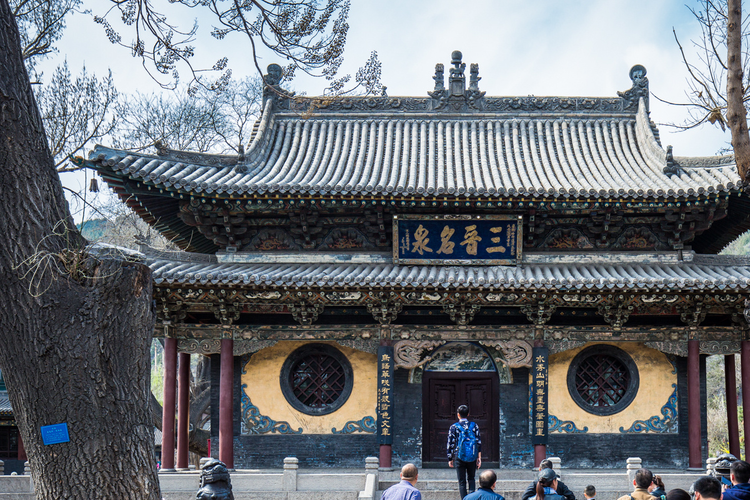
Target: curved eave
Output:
{"points": [[724, 231], [161, 213], [704, 273]]}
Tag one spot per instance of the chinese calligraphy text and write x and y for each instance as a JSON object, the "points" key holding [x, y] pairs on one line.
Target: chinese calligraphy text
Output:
{"points": [[457, 239]]}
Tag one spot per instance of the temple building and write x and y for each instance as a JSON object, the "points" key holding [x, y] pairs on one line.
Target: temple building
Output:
{"points": [[367, 264], [12, 453]]}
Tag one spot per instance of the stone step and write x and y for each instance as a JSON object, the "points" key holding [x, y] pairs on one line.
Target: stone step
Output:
{"points": [[452, 484]]}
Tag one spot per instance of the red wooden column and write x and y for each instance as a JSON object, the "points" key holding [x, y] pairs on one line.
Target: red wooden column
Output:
{"points": [[21, 448], [694, 406], [732, 423], [167, 418], [226, 407], [745, 361], [183, 411]]}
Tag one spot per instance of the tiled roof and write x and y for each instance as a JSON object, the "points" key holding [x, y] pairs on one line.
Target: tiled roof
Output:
{"points": [[537, 271], [5, 409], [503, 154]]}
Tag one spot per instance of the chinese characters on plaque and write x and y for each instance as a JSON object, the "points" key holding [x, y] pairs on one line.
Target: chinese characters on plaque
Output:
{"points": [[385, 395], [457, 239], [539, 386]]}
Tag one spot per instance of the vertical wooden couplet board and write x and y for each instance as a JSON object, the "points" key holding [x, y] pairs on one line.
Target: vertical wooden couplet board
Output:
{"points": [[385, 395], [539, 395]]}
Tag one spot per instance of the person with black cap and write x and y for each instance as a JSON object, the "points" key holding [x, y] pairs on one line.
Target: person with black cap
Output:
{"points": [[560, 489], [546, 486]]}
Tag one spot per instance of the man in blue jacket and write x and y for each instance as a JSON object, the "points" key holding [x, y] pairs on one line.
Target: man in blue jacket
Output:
{"points": [[739, 474], [487, 480]]}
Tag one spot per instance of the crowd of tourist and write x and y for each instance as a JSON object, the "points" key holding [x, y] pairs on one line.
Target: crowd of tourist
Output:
{"points": [[730, 481]]}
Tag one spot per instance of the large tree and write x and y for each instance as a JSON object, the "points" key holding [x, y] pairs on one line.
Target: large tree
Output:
{"points": [[717, 92], [75, 327], [736, 90], [75, 322]]}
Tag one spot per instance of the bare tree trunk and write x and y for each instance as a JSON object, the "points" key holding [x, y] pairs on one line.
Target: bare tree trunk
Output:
{"points": [[75, 331], [736, 112]]}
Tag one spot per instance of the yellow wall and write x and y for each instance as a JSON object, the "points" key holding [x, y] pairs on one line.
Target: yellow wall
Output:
{"points": [[655, 388], [264, 390]]}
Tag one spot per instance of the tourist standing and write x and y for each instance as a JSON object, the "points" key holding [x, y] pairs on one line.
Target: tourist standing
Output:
{"points": [[657, 488], [560, 489], [739, 474], [546, 486], [464, 450], [487, 480], [589, 492], [407, 488], [706, 488], [642, 481]]}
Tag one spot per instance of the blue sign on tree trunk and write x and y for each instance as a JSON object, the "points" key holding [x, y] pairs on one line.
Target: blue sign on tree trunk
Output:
{"points": [[55, 434]]}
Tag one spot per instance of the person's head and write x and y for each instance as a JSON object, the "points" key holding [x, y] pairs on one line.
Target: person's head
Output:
{"points": [[589, 491], [643, 478], [463, 411], [678, 494], [706, 488], [656, 483], [487, 479], [409, 472], [739, 472], [547, 479], [545, 464]]}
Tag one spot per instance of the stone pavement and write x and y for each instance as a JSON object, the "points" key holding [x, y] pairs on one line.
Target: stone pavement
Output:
{"points": [[350, 484]]}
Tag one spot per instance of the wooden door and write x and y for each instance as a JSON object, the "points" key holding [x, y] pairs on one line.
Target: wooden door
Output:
{"points": [[442, 394]]}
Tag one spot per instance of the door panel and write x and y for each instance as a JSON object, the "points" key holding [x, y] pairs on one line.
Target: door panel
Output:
{"points": [[442, 394]]}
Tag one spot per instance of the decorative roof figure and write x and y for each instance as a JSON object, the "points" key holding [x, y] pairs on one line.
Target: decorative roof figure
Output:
{"points": [[272, 81], [639, 88], [456, 95], [457, 79], [474, 78], [439, 78]]}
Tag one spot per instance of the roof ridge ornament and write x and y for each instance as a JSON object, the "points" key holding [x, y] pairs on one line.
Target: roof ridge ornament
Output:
{"points": [[672, 167], [272, 83], [457, 97], [639, 89]]}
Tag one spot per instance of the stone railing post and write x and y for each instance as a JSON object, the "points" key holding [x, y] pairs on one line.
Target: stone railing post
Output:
{"points": [[291, 464], [27, 472], [371, 478], [371, 465], [2, 468], [710, 465], [633, 464]]}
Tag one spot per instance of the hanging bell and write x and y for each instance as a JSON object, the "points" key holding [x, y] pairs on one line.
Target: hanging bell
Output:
{"points": [[94, 186]]}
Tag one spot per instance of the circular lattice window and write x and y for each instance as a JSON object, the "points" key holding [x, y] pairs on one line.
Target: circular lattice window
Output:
{"points": [[603, 379], [316, 379]]}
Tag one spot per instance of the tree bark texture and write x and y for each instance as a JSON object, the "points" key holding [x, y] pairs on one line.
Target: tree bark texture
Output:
{"points": [[736, 112], [75, 330]]}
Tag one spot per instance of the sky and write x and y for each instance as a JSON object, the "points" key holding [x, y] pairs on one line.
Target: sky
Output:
{"points": [[526, 47]]}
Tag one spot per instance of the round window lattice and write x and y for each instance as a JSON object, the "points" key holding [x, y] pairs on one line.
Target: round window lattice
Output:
{"points": [[316, 379], [603, 380]]}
